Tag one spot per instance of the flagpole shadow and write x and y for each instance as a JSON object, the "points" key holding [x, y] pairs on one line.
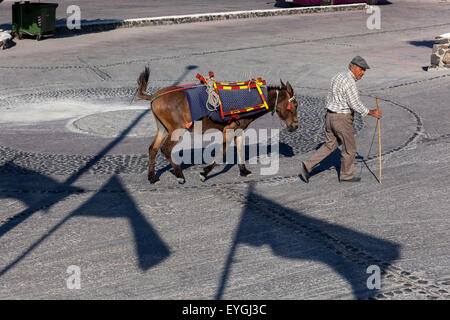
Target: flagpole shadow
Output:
{"points": [[296, 238]]}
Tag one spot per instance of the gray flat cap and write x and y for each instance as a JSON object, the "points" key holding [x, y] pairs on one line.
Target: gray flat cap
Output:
{"points": [[360, 62]]}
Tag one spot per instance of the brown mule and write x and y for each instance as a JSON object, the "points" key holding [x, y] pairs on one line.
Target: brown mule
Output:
{"points": [[171, 112]]}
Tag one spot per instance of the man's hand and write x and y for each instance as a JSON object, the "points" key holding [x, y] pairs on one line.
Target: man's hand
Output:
{"points": [[375, 113]]}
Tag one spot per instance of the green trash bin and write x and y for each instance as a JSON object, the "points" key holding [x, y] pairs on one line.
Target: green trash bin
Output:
{"points": [[36, 19]]}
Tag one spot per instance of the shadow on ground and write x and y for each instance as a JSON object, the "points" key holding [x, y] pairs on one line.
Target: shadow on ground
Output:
{"points": [[424, 43]]}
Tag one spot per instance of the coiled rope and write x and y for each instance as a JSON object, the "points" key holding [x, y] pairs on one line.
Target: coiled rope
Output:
{"points": [[213, 98]]}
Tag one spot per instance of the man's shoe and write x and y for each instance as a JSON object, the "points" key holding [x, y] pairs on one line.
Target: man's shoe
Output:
{"points": [[354, 179], [304, 172]]}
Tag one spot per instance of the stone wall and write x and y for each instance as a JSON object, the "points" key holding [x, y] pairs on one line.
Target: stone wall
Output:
{"points": [[440, 56]]}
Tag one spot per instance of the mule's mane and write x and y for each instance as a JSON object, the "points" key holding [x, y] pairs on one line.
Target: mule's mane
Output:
{"points": [[271, 101], [275, 88]]}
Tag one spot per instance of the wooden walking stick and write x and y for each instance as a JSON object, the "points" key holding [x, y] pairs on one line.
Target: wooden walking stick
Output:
{"points": [[379, 141]]}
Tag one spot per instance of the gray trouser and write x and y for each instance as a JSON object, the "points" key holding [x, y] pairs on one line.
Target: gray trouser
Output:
{"points": [[339, 127]]}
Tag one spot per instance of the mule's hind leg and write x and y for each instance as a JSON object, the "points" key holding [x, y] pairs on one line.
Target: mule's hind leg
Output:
{"points": [[166, 149], [161, 135]]}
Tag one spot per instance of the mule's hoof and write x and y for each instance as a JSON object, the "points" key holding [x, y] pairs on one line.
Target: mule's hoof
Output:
{"points": [[246, 174], [155, 181], [181, 180], [202, 176]]}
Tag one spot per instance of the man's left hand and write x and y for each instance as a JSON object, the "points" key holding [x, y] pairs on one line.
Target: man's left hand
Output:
{"points": [[375, 113]]}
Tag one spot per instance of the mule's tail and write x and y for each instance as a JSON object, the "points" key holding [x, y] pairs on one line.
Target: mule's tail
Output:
{"points": [[142, 85]]}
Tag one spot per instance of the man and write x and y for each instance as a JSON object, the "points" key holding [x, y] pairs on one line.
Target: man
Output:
{"points": [[342, 101]]}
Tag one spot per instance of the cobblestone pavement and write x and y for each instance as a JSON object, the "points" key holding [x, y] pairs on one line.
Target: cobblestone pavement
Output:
{"points": [[73, 158]]}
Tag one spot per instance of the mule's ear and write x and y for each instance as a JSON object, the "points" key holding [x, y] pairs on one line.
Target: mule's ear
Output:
{"points": [[282, 84], [289, 88]]}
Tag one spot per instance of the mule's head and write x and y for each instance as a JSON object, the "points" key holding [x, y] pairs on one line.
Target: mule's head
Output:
{"points": [[286, 107]]}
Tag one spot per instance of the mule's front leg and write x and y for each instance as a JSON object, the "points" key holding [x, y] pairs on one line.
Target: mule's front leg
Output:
{"points": [[227, 138], [207, 170], [239, 140]]}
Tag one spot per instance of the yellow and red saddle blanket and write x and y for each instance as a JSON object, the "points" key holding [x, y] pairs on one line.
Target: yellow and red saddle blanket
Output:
{"points": [[235, 100]]}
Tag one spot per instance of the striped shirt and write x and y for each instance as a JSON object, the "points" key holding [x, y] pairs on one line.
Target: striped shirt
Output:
{"points": [[343, 96]]}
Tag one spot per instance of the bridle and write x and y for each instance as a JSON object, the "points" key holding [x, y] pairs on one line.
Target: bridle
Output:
{"points": [[289, 106], [289, 103]]}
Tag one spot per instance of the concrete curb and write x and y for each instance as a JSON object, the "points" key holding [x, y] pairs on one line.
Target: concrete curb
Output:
{"points": [[204, 17]]}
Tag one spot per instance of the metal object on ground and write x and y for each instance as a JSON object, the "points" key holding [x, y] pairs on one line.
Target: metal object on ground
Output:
{"points": [[5, 39], [36, 19]]}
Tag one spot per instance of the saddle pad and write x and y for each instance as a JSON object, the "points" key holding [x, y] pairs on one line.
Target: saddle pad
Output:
{"points": [[231, 100]]}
